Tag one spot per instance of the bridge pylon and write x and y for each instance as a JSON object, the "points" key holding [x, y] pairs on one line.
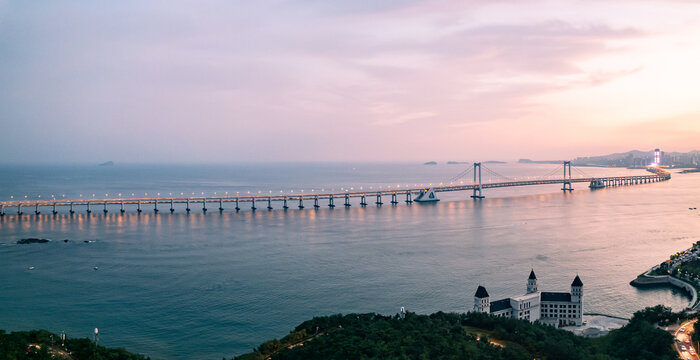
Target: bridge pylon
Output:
{"points": [[478, 188], [567, 181]]}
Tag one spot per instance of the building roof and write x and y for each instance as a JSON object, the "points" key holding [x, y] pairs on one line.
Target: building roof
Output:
{"points": [[577, 281], [532, 275], [500, 305], [555, 296], [481, 292]]}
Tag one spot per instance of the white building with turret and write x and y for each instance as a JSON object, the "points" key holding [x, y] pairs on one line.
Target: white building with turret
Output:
{"points": [[554, 308]]}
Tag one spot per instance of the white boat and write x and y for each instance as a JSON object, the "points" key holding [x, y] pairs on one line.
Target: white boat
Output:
{"points": [[596, 184], [427, 195]]}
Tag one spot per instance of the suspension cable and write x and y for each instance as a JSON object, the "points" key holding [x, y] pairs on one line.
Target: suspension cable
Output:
{"points": [[581, 172], [461, 175], [497, 175], [554, 171]]}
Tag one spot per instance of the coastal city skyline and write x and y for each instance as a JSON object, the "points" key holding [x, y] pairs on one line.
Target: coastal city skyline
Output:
{"points": [[338, 81]]}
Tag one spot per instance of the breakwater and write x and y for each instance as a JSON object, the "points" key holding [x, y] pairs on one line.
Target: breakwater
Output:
{"points": [[647, 280]]}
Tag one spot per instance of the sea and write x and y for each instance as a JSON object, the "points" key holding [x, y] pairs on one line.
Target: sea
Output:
{"points": [[217, 284]]}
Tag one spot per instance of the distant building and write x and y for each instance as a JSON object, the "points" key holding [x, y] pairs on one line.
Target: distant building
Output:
{"points": [[657, 157], [554, 308]]}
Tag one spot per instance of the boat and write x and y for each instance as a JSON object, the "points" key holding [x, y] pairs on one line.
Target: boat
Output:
{"points": [[596, 184], [427, 196]]}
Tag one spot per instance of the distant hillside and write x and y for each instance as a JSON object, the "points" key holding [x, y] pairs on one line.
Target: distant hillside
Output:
{"points": [[634, 158], [639, 158]]}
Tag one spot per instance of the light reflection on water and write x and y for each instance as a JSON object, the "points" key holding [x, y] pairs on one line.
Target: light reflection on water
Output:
{"points": [[217, 284]]}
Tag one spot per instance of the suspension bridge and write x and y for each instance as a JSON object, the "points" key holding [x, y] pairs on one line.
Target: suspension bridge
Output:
{"points": [[405, 194]]}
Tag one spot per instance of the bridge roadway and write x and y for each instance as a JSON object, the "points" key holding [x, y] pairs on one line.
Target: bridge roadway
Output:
{"points": [[53, 204]]}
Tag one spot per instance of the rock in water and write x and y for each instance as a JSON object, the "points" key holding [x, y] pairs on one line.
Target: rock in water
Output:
{"points": [[32, 241]]}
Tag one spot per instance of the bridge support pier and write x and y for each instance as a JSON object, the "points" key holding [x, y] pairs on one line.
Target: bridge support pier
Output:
{"points": [[567, 181], [36, 209], [316, 206], [393, 199], [53, 209], [204, 206], [2, 210], [301, 203], [347, 201], [252, 207], [221, 205], [477, 189], [379, 200], [172, 208], [330, 202], [188, 206], [284, 205], [121, 207], [155, 206], [104, 208], [269, 204], [138, 207], [363, 200], [19, 209], [88, 209], [237, 207], [71, 211], [409, 200]]}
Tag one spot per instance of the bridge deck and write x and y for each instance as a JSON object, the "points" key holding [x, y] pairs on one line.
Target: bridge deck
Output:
{"points": [[657, 175]]}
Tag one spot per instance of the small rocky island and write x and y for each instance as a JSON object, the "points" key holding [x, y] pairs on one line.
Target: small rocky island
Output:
{"points": [[32, 241]]}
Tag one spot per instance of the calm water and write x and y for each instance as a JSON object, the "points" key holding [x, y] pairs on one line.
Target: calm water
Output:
{"points": [[179, 286]]}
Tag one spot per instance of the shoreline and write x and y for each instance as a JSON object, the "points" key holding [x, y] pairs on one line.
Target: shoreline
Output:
{"points": [[646, 280]]}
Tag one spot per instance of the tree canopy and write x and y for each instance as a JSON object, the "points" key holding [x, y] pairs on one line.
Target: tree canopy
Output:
{"points": [[446, 336], [43, 345]]}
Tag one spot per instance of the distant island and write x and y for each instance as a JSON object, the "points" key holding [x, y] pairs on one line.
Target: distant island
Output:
{"points": [[430, 163], [494, 162], [107, 163]]}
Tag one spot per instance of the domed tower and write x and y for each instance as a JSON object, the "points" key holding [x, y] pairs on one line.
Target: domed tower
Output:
{"points": [[577, 290], [532, 282], [481, 300]]}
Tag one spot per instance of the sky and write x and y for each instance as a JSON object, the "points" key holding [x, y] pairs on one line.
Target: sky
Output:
{"points": [[357, 80]]}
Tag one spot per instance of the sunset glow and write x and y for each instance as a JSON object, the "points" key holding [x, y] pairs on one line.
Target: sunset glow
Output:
{"points": [[218, 81]]}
